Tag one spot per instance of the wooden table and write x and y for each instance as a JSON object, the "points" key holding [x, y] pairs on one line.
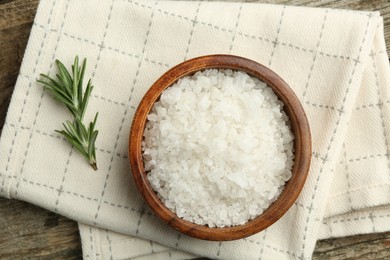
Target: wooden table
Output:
{"points": [[27, 231]]}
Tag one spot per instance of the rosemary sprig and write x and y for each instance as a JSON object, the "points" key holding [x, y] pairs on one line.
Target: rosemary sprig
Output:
{"points": [[67, 88]]}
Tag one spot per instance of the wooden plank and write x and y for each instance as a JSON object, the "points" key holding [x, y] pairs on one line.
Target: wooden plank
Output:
{"points": [[28, 231], [15, 13], [12, 45]]}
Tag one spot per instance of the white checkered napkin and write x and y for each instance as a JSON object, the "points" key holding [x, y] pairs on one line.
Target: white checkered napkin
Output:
{"points": [[338, 72]]}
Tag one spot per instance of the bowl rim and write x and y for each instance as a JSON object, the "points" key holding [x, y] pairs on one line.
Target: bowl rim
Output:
{"points": [[299, 125]]}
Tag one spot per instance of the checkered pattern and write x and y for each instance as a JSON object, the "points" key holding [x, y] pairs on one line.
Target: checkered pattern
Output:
{"points": [[340, 74], [104, 244]]}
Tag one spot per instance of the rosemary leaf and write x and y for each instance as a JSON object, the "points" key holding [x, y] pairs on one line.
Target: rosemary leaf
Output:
{"points": [[74, 142], [84, 101], [92, 140]]}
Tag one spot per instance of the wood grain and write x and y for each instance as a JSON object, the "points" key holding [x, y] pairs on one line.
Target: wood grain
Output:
{"points": [[23, 233], [29, 231]]}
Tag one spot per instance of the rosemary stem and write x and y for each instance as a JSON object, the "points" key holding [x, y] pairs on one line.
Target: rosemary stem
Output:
{"points": [[68, 89]]}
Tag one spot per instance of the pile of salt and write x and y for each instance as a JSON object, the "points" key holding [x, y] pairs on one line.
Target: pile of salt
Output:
{"points": [[218, 147]]}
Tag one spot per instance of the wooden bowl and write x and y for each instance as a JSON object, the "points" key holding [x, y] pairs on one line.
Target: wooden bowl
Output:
{"points": [[302, 146]]}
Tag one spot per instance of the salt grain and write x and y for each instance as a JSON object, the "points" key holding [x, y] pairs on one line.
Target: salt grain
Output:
{"points": [[218, 148]]}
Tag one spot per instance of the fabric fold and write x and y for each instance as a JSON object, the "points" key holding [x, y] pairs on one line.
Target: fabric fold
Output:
{"points": [[339, 73]]}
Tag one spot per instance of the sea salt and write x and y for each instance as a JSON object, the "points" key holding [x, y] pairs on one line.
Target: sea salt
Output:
{"points": [[218, 147]]}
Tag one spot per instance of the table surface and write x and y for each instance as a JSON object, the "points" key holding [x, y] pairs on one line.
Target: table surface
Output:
{"points": [[27, 231]]}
